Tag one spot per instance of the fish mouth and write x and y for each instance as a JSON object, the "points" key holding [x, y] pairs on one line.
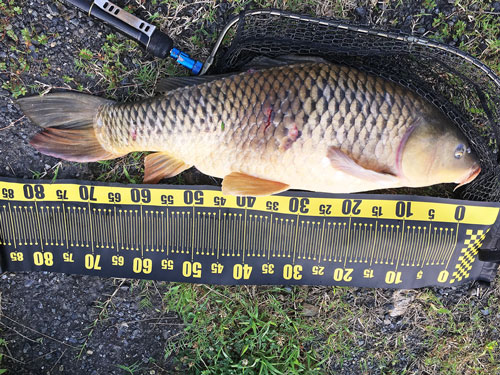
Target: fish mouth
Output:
{"points": [[471, 176]]}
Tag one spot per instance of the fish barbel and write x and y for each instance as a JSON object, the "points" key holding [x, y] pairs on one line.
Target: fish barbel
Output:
{"points": [[310, 126]]}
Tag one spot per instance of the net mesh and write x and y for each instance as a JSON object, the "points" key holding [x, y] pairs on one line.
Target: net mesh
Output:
{"points": [[462, 87]]}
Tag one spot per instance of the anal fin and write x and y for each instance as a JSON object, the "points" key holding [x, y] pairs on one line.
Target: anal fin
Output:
{"points": [[344, 163], [237, 183], [162, 165]]}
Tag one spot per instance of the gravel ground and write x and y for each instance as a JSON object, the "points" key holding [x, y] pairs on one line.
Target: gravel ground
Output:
{"points": [[63, 324]]}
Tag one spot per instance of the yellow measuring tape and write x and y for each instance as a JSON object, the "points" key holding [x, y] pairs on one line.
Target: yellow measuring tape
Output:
{"points": [[197, 234]]}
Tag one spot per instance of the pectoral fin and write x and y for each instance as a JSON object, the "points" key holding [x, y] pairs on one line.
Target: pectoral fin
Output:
{"points": [[237, 183], [344, 163], [162, 165]]}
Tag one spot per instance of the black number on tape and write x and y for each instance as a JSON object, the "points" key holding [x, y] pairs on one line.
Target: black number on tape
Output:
{"points": [[272, 206], [167, 199], [140, 195], [7, 193], [245, 201], [297, 204], [403, 209], [459, 213], [114, 197], [195, 197], [31, 192], [87, 193], [351, 206]]}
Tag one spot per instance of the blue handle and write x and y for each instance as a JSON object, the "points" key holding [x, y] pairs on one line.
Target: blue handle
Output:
{"points": [[184, 59]]}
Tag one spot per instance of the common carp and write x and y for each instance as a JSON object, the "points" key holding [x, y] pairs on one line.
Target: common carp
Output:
{"points": [[311, 126]]}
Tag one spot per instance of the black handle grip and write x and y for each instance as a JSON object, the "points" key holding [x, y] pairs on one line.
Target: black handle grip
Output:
{"points": [[160, 44]]}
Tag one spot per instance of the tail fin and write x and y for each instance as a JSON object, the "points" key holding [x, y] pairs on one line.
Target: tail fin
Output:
{"points": [[68, 119]]}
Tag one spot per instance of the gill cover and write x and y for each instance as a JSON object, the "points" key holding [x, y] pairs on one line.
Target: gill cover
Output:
{"points": [[436, 152]]}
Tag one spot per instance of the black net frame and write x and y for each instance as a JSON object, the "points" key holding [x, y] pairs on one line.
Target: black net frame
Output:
{"points": [[462, 87]]}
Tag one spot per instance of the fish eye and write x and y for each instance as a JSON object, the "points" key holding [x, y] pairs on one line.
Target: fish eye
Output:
{"points": [[461, 150]]}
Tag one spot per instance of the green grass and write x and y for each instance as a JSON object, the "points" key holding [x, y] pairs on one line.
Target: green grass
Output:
{"points": [[458, 345], [3, 347], [18, 42], [131, 369], [244, 330], [475, 31], [266, 330]]}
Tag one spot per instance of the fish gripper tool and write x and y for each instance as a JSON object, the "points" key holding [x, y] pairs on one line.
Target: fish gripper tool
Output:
{"points": [[149, 36]]}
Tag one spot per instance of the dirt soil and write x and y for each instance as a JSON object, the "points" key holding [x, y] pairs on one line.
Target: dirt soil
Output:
{"points": [[67, 324]]}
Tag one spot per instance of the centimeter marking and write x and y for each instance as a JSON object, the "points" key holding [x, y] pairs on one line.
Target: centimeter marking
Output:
{"points": [[304, 238], [430, 209]]}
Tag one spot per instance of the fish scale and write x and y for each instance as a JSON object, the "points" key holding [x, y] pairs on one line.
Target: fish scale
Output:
{"points": [[333, 105]]}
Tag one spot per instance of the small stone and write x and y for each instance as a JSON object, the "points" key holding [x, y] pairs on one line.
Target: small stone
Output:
{"points": [[135, 333], [309, 310], [53, 9], [26, 348], [360, 11], [90, 352], [402, 299]]}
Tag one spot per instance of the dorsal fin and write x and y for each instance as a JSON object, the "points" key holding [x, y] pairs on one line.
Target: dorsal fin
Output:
{"points": [[266, 62], [172, 83], [257, 63]]}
